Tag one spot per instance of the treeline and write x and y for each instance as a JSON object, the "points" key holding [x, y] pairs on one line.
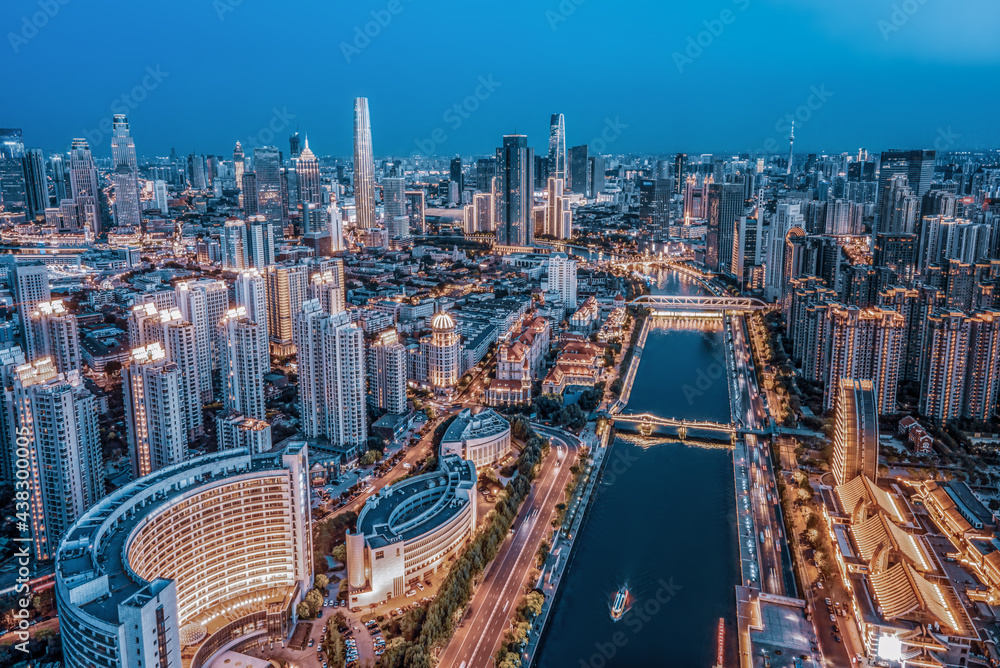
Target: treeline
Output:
{"points": [[427, 628]]}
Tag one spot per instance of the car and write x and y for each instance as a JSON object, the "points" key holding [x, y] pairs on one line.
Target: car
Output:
{"points": [[312, 642], [411, 592], [833, 618], [828, 602], [837, 638], [819, 585]]}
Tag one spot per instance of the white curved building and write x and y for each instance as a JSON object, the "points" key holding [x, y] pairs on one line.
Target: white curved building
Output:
{"points": [[482, 437], [409, 530], [210, 554]]}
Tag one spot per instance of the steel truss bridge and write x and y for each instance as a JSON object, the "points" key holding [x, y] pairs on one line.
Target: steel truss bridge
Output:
{"points": [[701, 304]]}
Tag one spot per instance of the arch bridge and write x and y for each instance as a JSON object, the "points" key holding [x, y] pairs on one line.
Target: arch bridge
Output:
{"points": [[713, 304]]}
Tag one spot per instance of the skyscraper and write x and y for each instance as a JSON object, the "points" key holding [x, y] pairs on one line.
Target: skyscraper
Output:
{"points": [[56, 418], [260, 242], [579, 171], [196, 171], [332, 365], [364, 165], [327, 286], [55, 335], [415, 211], [245, 362], [855, 438], [248, 193], [791, 149], [562, 279], [287, 289], [387, 359], [680, 172], [36, 186], [945, 360], [558, 217], [515, 162], [30, 282], [13, 190], [725, 206], [203, 303], [126, 174], [982, 377], [443, 349], [865, 344], [153, 416], [233, 241], [251, 294], [394, 196], [557, 147], [84, 186], [238, 168], [308, 177], [267, 168], [456, 177], [916, 165], [484, 209]]}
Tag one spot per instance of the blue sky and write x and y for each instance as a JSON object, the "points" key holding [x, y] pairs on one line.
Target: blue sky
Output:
{"points": [[697, 76]]}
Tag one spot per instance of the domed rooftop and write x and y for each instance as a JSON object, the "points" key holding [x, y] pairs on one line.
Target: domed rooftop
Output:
{"points": [[442, 321]]}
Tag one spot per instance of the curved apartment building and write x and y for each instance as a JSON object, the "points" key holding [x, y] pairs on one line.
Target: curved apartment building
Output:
{"points": [[209, 554], [482, 437], [409, 530]]}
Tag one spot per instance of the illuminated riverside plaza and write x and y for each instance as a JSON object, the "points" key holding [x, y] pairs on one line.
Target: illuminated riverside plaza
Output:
{"points": [[210, 554]]}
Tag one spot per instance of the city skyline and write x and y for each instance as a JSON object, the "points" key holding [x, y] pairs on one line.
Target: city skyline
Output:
{"points": [[849, 55]]}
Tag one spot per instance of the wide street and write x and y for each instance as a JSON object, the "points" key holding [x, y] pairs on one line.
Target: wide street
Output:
{"points": [[493, 605]]}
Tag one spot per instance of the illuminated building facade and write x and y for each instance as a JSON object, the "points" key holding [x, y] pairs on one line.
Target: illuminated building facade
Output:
{"points": [[481, 437], [364, 165], [178, 565], [56, 336], [855, 437], [443, 351], [153, 410]]}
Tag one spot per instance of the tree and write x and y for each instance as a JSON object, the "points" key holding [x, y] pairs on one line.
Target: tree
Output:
{"points": [[303, 611], [315, 601], [112, 367], [321, 581], [370, 457]]}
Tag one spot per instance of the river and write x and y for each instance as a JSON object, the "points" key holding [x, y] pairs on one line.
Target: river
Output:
{"points": [[662, 519]]}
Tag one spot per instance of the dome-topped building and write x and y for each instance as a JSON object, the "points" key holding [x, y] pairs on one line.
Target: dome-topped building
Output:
{"points": [[443, 354]]}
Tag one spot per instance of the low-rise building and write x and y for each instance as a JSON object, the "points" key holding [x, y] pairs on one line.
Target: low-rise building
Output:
{"points": [[481, 436]]}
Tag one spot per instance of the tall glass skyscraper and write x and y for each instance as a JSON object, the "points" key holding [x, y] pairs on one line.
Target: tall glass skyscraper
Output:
{"points": [[13, 195], [515, 164], [364, 165], [267, 166], [84, 186], [36, 187], [308, 173], [126, 174], [557, 147]]}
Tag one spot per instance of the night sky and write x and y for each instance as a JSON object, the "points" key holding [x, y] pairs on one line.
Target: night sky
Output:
{"points": [[655, 76]]}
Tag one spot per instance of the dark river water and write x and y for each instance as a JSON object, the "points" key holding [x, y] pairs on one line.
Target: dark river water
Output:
{"points": [[662, 519]]}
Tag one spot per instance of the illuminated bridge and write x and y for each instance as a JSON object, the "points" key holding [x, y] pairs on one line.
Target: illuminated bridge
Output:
{"points": [[646, 421], [676, 304]]}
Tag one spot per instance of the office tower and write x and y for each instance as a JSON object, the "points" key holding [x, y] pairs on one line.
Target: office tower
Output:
{"points": [[791, 149], [562, 279], [724, 206], [35, 183], [295, 144], [541, 172], [84, 186], [260, 242], [900, 207], [267, 170], [787, 216], [747, 242], [515, 162], [60, 186], [332, 361], [558, 217], [11, 358], [125, 174], [153, 415], [899, 253], [387, 373], [234, 244], [394, 196], [56, 419], [597, 178], [486, 169], [855, 436], [680, 172], [944, 363], [336, 224], [364, 165], [248, 194], [13, 189], [245, 362], [982, 377], [239, 166], [444, 347], [557, 148], [251, 294], [287, 288], [55, 335], [30, 283], [484, 208], [457, 176], [579, 171], [916, 165], [203, 303], [308, 177], [415, 211], [160, 196], [196, 171], [647, 201], [327, 286]]}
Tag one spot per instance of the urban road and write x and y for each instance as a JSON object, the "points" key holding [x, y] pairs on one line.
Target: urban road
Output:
{"points": [[493, 605]]}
